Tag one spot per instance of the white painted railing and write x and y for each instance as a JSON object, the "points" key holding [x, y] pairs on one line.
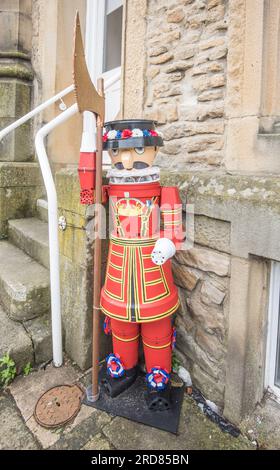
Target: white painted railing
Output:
{"points": [[52, 204], [35, 111], [53, 229]]}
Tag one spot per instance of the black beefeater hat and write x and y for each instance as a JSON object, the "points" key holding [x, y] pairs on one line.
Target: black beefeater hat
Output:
{"points": [[131, 133]]}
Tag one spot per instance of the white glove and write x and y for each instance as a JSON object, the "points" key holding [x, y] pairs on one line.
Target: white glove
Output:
{"points": [[163, 250]]}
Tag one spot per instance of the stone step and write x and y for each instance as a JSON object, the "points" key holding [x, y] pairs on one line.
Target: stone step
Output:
{"points": [[42, 210], [24, 284], [26, 342], [39, 329], [15, 341], [31, 235]]}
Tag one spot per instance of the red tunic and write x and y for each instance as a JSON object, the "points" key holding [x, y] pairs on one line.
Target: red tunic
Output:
{"points": [[135, 289]]}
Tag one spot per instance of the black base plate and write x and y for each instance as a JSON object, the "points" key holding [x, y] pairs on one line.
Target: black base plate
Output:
{"points": [[131, 404]]}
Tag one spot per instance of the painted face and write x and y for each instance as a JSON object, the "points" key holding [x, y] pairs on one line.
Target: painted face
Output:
{"points": [[137, 158]]}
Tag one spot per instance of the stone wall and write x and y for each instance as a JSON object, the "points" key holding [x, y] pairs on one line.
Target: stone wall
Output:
{"points": [[186, 43], [20, 187], [16, 76], [203, 277], [20, 180], [223, 283]]}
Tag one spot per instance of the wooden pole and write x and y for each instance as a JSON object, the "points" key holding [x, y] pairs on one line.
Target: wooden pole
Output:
{"points": [[97, 252]]}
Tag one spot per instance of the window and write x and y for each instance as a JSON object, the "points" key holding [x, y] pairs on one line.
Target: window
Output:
{"points": [[112, 35], [273, 339], [277, 365], [103, 53], [270, 105]]}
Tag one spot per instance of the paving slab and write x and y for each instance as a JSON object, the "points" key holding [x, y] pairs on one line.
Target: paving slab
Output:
{"points": [[27, 390], [263, 425], [98, 442], [86, 431], [67, 435], [46, 437], [195, 432], [84, 413], [14, 434]]}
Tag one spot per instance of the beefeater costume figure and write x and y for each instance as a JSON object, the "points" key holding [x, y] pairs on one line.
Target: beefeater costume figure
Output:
{"points": [[139, 296]]}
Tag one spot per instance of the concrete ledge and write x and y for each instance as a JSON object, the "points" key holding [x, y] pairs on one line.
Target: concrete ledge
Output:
{"points": [[24, 174], [250, 203]]}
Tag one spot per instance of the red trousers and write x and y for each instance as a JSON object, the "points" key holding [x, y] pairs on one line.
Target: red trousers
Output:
{"points": [[156, 337]]}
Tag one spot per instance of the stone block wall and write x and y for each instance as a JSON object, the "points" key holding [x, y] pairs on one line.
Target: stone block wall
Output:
{"points": [[223, 284], [16, 76], [20, 186], [186, 43], [20, 178], [202, 275]]}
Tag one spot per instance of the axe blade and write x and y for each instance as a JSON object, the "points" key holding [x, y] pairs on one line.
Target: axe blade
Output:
{"points": [[88, 99]]}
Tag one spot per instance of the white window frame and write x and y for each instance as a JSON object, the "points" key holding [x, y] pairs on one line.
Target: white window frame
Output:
{"points": [[95, 23], [272, 333], [94, 41]]}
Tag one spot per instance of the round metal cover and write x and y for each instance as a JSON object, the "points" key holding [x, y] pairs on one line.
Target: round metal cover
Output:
{"points": [[58, 405]]}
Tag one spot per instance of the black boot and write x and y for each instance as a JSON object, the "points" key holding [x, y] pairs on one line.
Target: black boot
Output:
{"points": [[116, 385], [159, 400]]}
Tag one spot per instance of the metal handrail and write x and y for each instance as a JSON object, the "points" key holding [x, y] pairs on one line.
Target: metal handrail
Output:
{"points": [[53, 229], [52, 209], [52, 204], [35, 111]]}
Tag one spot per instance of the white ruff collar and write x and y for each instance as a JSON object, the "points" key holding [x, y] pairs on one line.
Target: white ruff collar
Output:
{"points": [[144, 175]]}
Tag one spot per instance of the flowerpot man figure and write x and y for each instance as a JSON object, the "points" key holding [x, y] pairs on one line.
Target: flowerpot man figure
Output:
{"points": [[139, 295]]}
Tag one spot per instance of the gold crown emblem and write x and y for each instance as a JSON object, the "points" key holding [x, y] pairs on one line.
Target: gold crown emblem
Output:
{"points": [[127, 209]]}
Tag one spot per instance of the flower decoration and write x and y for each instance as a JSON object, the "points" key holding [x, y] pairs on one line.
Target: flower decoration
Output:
{"points": [[112, 134], [157, 379], [115, 366], [137, 133], [126, 133]]}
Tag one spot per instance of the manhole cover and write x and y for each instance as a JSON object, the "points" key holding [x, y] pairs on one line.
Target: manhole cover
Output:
{"points": [[58, 405]]}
